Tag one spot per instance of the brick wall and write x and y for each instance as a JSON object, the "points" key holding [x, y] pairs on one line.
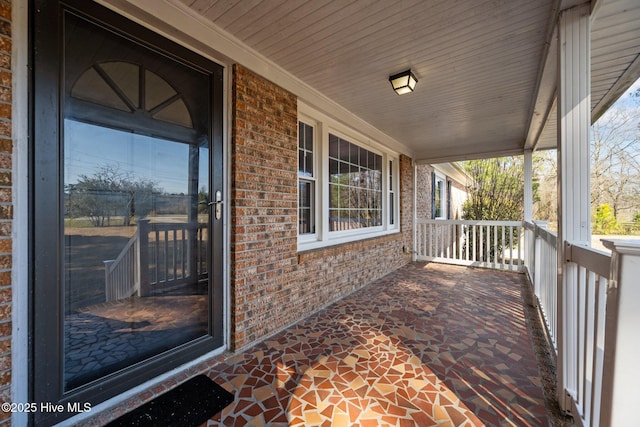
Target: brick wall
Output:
{"points": [[264, 202], [423, 191], [272, 284], [6, 207], [406, 198]]}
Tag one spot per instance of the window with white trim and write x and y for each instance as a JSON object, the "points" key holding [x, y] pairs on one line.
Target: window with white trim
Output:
{"points": [[347, 188], [392, 194], [355, 186], [306, 180], [439, 199]]}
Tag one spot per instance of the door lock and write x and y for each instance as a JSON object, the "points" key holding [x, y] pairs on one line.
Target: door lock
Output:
{"points": [[218, 205]]}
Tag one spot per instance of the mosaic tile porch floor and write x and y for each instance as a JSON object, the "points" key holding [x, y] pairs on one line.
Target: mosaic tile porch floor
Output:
{"points": [[427, 345]]}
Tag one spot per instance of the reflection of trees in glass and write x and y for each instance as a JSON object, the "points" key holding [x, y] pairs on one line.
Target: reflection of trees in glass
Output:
{"points": [[355, 186], [203, 200], [109, 193], [357, 197]]}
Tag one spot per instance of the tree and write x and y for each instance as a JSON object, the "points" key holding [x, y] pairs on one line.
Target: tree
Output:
{"points": [[358, 196], [497, 191], [615, 151], [604, 221], [615, 161], [615, 165], [545, 181], [109, 193]]}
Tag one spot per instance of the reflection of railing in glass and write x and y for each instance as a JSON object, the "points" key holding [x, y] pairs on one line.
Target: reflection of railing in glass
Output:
{"points": [[158, 257]]}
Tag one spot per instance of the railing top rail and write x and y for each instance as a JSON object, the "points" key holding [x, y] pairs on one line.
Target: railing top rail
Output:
{"points": [[162, 226], [592, 259], [112, 266], [469, 222], [548, 235]]}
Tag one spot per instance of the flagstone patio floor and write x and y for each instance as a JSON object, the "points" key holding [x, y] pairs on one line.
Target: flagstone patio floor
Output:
{"points": [[429, 344]]}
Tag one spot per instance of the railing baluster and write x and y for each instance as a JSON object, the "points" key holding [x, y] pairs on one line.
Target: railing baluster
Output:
{"points": [[453, 248], [459, 239], [186, 235], [495, 246], [466, 241], [503, 243], [520, 242], [474, 257], [598, 346], [174, 248], [511, 246], [166, 255], [449, 238], [482, 245]]}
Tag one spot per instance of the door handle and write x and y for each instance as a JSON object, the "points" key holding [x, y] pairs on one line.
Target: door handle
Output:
{"points": [[218, 205]]}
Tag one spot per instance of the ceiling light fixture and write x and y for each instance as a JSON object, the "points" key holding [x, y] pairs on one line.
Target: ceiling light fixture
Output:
{"points": [[403, 82]]}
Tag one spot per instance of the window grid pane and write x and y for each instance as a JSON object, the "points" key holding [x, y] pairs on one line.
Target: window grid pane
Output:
{"points": [[306, 187], [355, 186], [305, 208], [392, 206], [305, 150]]}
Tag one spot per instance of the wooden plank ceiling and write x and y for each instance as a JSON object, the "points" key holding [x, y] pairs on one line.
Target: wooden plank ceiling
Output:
{"points": [[478, 62]]}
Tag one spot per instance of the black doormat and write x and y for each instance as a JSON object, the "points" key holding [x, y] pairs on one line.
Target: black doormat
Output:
{"points": [[188, 405]]}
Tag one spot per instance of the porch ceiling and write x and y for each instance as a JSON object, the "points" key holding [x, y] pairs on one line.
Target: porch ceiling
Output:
{"points": [[485, 84]]}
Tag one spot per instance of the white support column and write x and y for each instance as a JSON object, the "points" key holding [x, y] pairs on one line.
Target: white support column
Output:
{"points": [[528, 185], [621, 371], [574, 210]]}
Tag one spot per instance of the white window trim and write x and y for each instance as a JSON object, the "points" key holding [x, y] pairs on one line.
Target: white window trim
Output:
{"points": [[312, 237], [396, 192], [443, 195], [323, 126]]}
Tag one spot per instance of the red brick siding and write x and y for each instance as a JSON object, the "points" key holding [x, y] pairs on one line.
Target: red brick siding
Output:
{"points": [[263, 202], [406, 198], [272, 285], [6, 206], [423, 193]]}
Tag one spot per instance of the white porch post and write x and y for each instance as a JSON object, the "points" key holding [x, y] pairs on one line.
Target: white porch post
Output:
{"points": [[621, 347], [528, 185], [574, 211]]}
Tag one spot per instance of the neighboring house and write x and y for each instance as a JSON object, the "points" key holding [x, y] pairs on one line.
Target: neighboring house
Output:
{"points": [[441, 191], [169, 192]]}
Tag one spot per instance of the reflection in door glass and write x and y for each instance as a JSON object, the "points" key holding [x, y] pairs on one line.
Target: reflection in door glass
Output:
{"points": [[135, 248]]}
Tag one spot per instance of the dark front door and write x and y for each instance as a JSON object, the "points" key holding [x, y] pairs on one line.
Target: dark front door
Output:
{"points": [[127, 168]]}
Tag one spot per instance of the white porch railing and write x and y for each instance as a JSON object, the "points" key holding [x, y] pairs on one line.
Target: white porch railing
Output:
{"points": [[158, 256], [583, 310], [122, 275], [592, 323], [489, 244], [541, 259], [583, 315]]}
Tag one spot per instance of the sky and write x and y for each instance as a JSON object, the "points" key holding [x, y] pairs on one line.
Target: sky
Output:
{"points": [[625, 104], [88, 148]]}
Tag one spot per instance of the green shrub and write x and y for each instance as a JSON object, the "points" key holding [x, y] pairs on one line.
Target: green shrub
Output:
{"points": [[604, 222]]}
